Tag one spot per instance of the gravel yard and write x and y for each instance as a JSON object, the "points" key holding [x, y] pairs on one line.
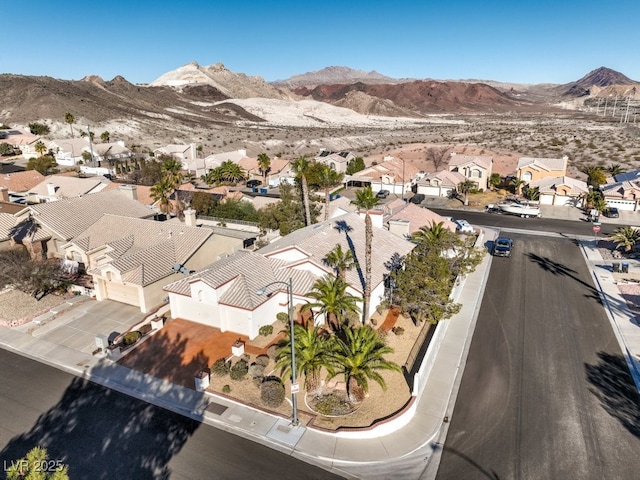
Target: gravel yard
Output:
{"points": [[17, 308]]}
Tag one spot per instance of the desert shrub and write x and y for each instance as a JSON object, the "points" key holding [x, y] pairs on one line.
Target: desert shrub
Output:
{"points": [[221, 367], [262, 360], [283, 317], [257, 381], [271, 351], [131, 337], [332, 404], [256, 370], [146, 328], [398, 330], [266, 330], [239, 370], [245, 357], [272, 391], [226, 389]]}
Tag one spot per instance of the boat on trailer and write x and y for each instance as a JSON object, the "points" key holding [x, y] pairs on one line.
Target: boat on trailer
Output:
{"points": [[524, 210]]}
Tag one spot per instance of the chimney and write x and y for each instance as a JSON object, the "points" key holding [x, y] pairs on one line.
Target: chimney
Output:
{"points": [[4, 194], [130, 190], [51, 189], [190, 217]]}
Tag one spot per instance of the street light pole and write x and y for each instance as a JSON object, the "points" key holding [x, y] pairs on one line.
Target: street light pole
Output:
{"points": [[294, 381]]}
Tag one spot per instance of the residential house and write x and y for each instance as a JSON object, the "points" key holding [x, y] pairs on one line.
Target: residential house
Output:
{"points": [[440, 184], [8, 219], [200, 166], [19, 183], [279, 171], [624, 192], [225, 293], [562, 191], [68, 152], [44, 227], [131, 259], [477, 168], [56, 187], [404, 219], [180, 152], [532, 169], [393, 174], [338, 161], [21, 140]]}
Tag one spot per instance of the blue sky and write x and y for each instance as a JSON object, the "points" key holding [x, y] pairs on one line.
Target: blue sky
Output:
{"points": [[536, 42]]}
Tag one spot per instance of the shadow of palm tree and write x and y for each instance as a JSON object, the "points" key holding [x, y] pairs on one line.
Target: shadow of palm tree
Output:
{"points": [[490, 474], [344, 227], [615, 389], [103, 434]]}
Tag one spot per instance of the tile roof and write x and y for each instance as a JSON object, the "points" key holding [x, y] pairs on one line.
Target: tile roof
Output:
{"points": [[480, 160], [550, 184], [544, 163], [71, 216], [67, 186], [246, 273], [446, 178], [143, 250], [619, 189], [7, 223], [317, 240], [19, 182], [419, 217], [393, 167]]}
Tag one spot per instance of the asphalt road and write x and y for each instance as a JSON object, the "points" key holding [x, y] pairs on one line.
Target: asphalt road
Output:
{"points": [[546, 393], [102, 434]]}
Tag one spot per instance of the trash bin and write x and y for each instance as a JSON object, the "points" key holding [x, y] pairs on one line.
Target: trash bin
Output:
{"points": [[625, 267], [615, 267]]}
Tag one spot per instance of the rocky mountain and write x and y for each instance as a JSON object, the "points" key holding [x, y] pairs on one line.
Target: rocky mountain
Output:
{"points": [[228, 83], [419, 96], [600, 77], [334, 75]]}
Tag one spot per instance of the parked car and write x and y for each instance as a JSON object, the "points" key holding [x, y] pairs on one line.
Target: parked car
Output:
{"points": [[463, 226], [254, 183], [418, 198], [611, 212], [383, 194], [502, 247]]}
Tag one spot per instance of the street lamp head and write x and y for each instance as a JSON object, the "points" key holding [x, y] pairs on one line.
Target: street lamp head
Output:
{"points": [[260, 291]]}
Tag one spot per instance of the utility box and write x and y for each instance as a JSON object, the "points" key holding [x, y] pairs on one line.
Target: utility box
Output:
{"points": [[202, 380]]}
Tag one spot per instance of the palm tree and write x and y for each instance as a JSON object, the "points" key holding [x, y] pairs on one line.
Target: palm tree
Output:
{"points": [[160, 192], [70, 119], [495, 180], [172, 170], [264, 165], [532, 193], [595, 175], [332, 300], [615, 169], [432, 234], [517, 184], [231, 172], [626, 237], [365, 199], [465, 187], [359, 356], [327, 179], [340, 260], [105, 136], [301, 168], [313, 350], [40, 148]]}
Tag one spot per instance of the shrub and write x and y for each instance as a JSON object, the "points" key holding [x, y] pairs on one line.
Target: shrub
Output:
{"points": [[398, 330], [220, 367], [131, 337], [146, 328], [266, 330], [283, 317], [272, 391], [272, 351], [226, 388], [239, 370], [256, 370], [262, 360]]}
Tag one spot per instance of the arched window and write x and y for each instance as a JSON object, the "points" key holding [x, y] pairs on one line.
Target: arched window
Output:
{"points": [[526, 176], [109, 276], [200, 295]]}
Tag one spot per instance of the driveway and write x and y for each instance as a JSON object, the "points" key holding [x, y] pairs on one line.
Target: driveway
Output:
{"points": [[75, 325]]}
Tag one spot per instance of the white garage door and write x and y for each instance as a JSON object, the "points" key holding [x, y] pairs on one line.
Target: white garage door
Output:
{"points": [[123, 293]]}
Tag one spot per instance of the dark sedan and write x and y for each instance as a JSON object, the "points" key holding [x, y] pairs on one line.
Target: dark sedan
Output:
{"points": [[502, 247]]}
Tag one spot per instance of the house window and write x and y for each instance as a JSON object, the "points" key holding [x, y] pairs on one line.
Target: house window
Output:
{"points": [[109, 276], [526, 176], [200, 295], [332, 165], [475, 173]]}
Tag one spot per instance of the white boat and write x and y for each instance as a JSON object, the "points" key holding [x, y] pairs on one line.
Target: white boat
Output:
{"points": [[524, 210]]}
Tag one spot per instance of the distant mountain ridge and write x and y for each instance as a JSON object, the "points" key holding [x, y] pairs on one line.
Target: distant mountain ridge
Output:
{"points": [[334, 75], [600, 77]]}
